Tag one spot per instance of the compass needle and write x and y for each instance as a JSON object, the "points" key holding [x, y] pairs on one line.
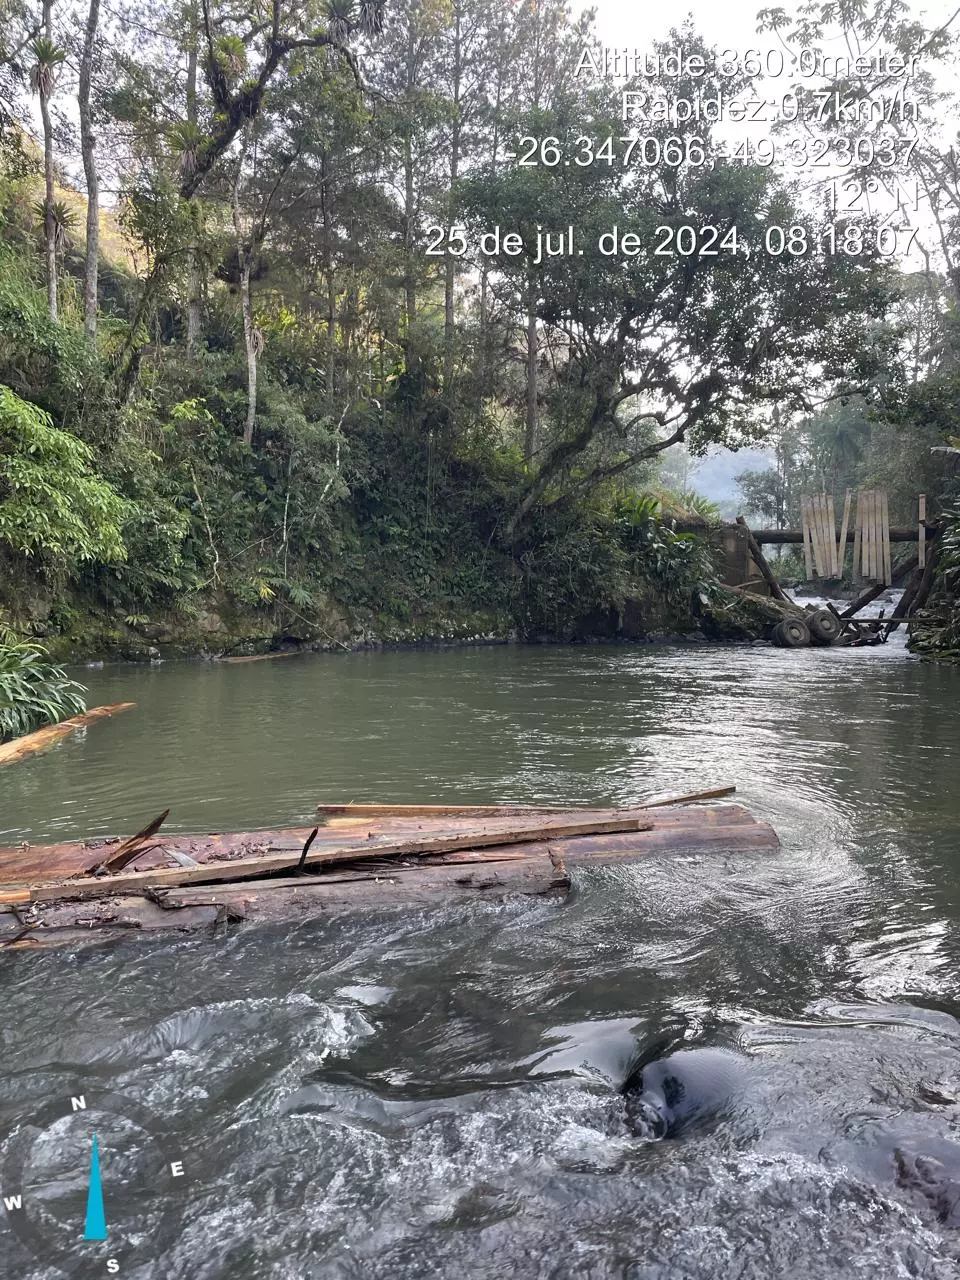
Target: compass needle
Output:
{"points": [[96, 1224]]}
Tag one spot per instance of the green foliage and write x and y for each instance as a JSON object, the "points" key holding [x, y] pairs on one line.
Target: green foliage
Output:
{"points": [[33, 692], [51, 501], [937, 630], [588, 560]]}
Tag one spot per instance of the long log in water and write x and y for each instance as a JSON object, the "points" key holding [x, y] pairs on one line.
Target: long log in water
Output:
{"points": [[32, 743], [402, 862]]}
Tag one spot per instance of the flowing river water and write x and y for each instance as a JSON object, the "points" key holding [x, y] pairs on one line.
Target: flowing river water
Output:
{"points": [[433, 1092]]}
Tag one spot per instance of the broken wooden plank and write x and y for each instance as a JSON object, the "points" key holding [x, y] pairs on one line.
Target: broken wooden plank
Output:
{"points": [[714, 794], [271, 863], [130, 849], [33, 743], [922, 531]]}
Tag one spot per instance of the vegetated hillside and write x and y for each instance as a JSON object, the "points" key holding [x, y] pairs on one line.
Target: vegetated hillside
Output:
{"points": [[277, 403]]}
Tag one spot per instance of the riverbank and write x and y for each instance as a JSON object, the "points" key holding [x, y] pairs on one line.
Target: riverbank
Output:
{"points": [[722, 616]]}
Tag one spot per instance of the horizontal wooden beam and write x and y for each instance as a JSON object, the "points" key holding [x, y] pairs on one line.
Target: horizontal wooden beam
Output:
{"points": [[784, 536]]}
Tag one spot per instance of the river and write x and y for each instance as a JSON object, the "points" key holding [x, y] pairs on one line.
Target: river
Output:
{"points": [[432, 1092]]}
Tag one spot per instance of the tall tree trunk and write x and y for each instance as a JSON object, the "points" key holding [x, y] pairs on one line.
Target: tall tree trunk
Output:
{"points": [[494, 160], [88, 144], [193, 256], [409, 190], [49, 226], [330, 281], [530, 428], [245, 255], [451, 263]]}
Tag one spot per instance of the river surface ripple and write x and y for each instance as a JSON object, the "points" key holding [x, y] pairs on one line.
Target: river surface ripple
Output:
{"points": [[432, 1092]]}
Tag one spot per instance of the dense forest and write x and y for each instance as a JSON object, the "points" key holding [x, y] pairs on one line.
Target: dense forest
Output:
{"points": [[259, 380]]}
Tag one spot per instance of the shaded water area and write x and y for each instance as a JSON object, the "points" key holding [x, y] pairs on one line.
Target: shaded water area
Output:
{"points": [[433, 1092]]}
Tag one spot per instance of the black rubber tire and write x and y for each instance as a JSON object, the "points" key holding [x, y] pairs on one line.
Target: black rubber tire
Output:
{"points": [[776, 637], [823, 626], [794, 633]]}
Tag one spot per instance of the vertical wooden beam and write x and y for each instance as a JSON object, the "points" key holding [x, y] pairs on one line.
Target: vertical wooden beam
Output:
{"points": [[922, 532], [868, 534], [858, 538], [820, 541], [885, 529], [832, 527], [844, 526], [807, 541]]}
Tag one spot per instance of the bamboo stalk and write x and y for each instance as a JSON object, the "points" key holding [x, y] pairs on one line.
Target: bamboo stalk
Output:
{"points": [[33, 743]]}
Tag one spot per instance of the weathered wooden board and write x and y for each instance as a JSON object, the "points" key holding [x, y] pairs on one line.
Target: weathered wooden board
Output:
{"points": [[267, 863]]}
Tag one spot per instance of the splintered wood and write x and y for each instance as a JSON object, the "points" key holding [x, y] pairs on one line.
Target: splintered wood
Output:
{"points": [[359, 855]]}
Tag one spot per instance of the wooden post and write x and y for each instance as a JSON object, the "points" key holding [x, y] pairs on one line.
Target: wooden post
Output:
{"points": [[922, 532], [776, 590], [858, 538], [832, 526], [885, 525], [807, 547], [869, 535], [824, 564], [844, 525]]}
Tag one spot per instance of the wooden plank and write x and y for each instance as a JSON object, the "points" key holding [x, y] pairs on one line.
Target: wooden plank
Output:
{"points": [[822, 545], [688, 798], [857, 567], [832, 529], [868, 534], [828, 535], [816, 534], [435, 810], [33, 743], [844, 526], [246, 867], [807, 540], [922, 532], [885, 527]]}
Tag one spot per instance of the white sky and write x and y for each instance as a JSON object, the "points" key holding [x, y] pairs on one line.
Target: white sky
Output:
{"points": [[729, 23]]}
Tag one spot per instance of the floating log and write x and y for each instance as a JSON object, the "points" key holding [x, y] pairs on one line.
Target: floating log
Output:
{"points": [[32, 743], [48, 896], [262, 657]]}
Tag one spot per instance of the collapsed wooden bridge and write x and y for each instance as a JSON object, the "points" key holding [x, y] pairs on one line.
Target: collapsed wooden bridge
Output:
{"points": [[358, 855]]}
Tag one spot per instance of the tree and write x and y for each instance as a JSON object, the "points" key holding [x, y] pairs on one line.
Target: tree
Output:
{"points": [[695, 341], [88, 150], [48, 60]]}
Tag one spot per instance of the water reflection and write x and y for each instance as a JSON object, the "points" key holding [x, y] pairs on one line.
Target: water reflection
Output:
{"points": [[434, 1092]]}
